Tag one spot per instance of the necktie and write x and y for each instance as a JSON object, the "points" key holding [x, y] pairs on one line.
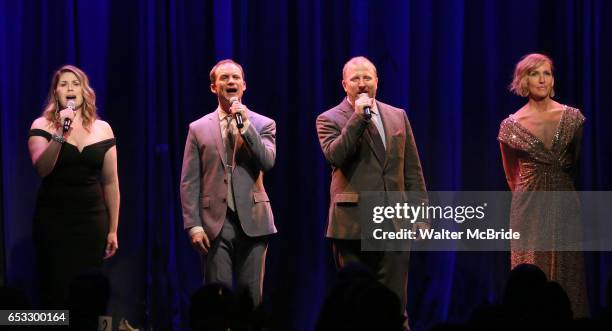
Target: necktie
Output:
{"points": [[379, 148], [229, 159], [229, 142]]}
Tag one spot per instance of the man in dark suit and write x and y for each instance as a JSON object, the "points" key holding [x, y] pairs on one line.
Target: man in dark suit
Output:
{"points": [[226, 210], [367, 152]]}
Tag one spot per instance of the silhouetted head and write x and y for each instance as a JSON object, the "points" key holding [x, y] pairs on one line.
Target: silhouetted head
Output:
{"points": [[357, 301], [556, 305], [526, 281]]}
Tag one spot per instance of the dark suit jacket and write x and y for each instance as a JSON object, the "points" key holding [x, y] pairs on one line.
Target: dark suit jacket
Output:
{"points": [[204, 180], [349, 149]]}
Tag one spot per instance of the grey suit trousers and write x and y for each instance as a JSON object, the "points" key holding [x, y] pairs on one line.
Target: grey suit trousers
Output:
{"points": [[235, 253]]}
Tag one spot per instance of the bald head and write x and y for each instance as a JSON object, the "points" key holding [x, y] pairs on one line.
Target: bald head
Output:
{"points": [[359, 76], [356, 61]]}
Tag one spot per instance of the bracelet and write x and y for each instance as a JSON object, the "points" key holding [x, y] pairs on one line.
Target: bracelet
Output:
{"points": [[59, 139]]}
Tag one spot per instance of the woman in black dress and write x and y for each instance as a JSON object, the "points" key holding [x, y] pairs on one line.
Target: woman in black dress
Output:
{"points": [[77, 209]]}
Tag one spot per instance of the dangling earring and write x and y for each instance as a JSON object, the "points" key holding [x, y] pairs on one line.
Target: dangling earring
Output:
{"points": [[57, 110]]}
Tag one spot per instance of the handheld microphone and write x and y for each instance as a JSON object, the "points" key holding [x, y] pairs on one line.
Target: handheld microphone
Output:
{"points": [[239, 122], [367, 112], [67, 122]]}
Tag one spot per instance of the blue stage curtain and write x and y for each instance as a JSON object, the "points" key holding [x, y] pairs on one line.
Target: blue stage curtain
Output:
{"points": [[448, 63]]}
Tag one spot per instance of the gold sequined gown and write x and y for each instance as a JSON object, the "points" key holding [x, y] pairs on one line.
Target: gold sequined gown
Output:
{"points": [[547, 218]]}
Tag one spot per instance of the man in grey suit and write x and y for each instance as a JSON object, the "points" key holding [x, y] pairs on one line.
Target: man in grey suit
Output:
{"points": [[367, 152], [226, 210]]}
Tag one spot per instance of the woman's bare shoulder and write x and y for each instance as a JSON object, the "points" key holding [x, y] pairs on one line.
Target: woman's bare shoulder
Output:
{"points": [[43, 124], [103, 128]]}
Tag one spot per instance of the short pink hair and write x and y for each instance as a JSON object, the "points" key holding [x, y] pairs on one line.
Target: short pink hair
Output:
{"points": [[528, 63]]}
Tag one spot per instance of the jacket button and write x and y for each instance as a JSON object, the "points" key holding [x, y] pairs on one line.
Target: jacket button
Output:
{"points": [[224, 200], [225, 180]]}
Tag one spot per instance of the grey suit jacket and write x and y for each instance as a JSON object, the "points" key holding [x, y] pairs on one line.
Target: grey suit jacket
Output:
{"points": [[204, 179], [349, 149]]}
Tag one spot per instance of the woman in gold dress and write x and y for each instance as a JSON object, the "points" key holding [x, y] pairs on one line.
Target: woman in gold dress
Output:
{"points": [[540, 145]]}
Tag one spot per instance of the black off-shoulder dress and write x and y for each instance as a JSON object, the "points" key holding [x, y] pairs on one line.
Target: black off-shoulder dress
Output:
{"points": [[71, 219]]}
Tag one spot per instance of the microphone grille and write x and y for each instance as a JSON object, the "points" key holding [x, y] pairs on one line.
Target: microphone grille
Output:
{"points": [[70, 104], [233, 99]]}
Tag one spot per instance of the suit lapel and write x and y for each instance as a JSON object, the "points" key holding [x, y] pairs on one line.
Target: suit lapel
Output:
{"points": [[346, 109], [347, 112], [214, 126], [390, 126], [375, 141]]}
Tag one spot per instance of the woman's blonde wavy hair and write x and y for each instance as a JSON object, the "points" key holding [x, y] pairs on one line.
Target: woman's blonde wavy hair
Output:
{"points": [[88, 112], [528, 63]]}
